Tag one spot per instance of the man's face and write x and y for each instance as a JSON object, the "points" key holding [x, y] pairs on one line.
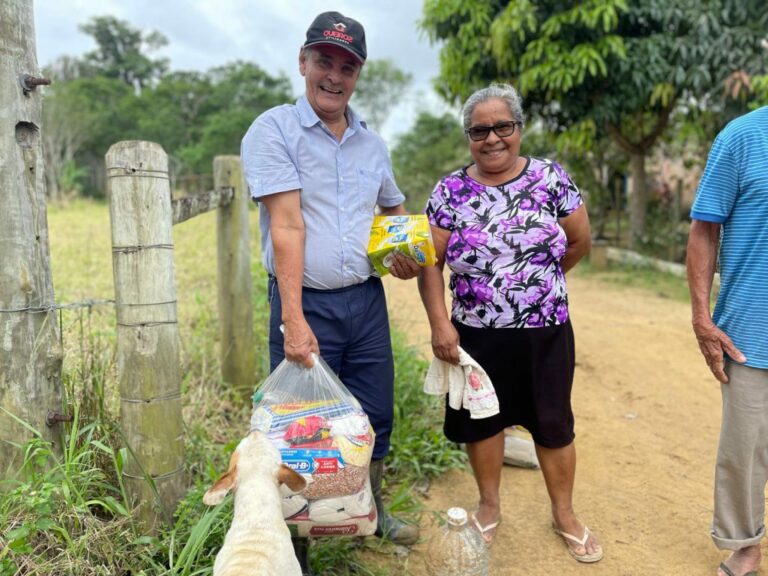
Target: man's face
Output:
{"points": [[330, 74]]}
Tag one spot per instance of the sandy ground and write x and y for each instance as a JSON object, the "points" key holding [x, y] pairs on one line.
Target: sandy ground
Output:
{"points": [[647, 422]]}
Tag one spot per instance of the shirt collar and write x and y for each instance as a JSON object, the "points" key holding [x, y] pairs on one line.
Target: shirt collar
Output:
{"points": [[309, 117]]}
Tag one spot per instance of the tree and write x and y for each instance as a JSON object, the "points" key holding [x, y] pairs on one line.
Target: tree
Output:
{"points": [[110, 112], [614, 68], [379, 88], [173, 112], [68, 123], [760, 84], [238, 93], [435, 146], [122, 51], [30, 357], [117, 92]]}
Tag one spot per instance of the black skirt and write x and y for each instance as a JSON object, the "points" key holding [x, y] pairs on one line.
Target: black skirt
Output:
{"points": [[532, 372]]}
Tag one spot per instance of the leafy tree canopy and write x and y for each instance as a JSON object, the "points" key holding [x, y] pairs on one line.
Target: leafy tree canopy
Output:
{"points": [[120, 92], [602, 67], [122, 51], [602, 59]]}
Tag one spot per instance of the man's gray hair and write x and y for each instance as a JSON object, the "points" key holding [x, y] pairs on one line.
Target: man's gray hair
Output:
{"points": [[311, 51], [503, 92]]}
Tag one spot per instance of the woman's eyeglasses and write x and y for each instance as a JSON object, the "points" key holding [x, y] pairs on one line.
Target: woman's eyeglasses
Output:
{"points": [[501, 129]]}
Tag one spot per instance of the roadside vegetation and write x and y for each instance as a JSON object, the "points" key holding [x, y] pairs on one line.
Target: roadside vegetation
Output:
{"points": [[68, 514]]}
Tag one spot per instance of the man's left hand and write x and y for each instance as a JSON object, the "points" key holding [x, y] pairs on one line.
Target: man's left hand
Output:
{"points": [[404, 267]]}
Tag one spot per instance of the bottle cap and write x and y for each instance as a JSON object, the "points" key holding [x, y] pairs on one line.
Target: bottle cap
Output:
{"points": [[457, 516]]}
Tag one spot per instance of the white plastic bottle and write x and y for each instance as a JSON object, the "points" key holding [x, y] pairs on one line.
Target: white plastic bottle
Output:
{"points": [[457, 549]]}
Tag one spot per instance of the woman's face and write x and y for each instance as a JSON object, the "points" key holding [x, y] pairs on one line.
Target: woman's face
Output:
{"points": [[494, 154]]}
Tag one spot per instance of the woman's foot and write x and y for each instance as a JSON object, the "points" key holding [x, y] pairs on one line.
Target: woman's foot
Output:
{"points": [[582, 543], [744, 562], [486, 521]]}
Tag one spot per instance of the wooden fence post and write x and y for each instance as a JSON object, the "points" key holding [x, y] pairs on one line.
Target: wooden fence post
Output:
{"points": [[30, 352], [238, 349], [147, 331]]}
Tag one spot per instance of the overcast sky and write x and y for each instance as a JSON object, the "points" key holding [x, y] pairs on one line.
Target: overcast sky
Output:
{"points": [[207, 33]]}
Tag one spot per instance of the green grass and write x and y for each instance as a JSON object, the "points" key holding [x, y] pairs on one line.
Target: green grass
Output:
{"points": [[69, 513]]}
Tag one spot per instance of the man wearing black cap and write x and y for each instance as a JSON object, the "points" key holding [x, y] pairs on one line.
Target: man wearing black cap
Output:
{"points": [[320, 173]]}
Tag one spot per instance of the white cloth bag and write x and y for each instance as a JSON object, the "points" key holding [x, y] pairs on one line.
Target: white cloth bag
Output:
{"points": [[466, 384]]}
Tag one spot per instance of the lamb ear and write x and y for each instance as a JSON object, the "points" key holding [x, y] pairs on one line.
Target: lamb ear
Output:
{"points": [[288, 476], [215, 494]]}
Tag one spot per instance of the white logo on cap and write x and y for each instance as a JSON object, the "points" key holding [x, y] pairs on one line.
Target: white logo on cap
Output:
{"points": [[340, 26]]}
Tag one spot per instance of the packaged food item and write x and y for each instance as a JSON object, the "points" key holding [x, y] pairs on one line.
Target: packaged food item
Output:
{"points": [[322, 433], [409, 235]]}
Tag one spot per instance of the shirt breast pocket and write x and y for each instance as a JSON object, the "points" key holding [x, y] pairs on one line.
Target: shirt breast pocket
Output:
{"points": [[369, 184]]}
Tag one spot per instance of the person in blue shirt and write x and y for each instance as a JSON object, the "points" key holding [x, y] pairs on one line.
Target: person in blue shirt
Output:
{"points": [[319, 174], [731, 210]]}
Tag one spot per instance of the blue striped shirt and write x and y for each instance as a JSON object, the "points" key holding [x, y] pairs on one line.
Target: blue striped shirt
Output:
{"points": [[734, 192], [289, 148]]}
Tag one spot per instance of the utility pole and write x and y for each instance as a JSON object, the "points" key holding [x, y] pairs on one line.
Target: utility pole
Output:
{"points": [[30, 351]]}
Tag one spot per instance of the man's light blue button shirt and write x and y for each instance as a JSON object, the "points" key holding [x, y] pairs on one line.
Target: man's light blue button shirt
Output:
{"points": [[289, 148]]}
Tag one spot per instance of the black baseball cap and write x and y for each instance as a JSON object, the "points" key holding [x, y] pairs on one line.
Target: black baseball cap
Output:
{"points": [[336, 29]]}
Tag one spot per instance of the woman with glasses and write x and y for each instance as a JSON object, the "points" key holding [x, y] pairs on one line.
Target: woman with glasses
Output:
{"points": [[509, 227]]}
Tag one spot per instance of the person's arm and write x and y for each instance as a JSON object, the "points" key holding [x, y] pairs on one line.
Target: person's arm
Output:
{"points": [[402, 266], [288, 236], [702, 257], [445, 339], [398, 210], [579, 235]]}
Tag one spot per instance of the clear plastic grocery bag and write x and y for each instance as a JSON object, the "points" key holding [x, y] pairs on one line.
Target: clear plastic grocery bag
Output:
{"points": [[323, 433]]}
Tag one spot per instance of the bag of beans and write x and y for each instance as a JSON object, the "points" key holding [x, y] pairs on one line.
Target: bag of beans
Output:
{"points": [[322, 433]]}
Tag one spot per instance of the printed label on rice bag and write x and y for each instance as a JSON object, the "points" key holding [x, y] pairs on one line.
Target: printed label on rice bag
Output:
{"points": [[346, 530], [327, 465], [313, 461], [303, 527]]}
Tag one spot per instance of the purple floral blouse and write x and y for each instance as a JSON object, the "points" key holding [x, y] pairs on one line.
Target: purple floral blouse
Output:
{"points": [[506, 245]]}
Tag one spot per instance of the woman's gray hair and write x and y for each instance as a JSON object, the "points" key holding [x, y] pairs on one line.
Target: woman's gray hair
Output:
{"points": [[503, 92]]}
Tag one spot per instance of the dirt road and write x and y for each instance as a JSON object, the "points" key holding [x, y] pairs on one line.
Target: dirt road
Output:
{"points": [[647, 421]]}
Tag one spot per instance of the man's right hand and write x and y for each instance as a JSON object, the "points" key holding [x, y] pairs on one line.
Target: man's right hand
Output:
{"points": [[714, 344], [299, 343]]}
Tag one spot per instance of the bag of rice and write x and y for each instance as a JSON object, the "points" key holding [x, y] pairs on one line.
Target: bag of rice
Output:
{"points": [[323, 433]]}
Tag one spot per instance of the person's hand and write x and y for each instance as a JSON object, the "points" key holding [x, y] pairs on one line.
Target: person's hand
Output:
{"points": [[403, 267], [714, 343], [299, 343], [445, 343]]}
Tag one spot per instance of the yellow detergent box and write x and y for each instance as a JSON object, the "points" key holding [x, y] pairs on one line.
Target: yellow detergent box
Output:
{"points": [[409, 235]]}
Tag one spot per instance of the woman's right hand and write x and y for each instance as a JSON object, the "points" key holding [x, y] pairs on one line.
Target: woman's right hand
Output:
{"points": [[445, 343]]}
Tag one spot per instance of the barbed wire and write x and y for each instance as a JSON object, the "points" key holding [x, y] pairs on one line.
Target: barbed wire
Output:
{"points": [[139, 248], [83, 304], [53, 307]]}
